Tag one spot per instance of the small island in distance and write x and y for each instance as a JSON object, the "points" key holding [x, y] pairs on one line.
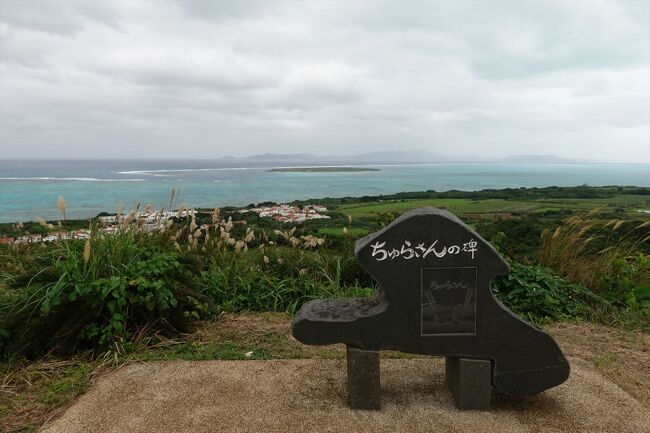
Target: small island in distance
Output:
{"points": [[321, 169]]}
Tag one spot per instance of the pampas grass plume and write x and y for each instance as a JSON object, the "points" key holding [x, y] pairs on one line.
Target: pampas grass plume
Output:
{"points": [[60, 204], [87, 250]]}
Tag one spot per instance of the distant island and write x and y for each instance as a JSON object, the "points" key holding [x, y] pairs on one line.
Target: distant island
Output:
{"points": [[392, 157], [321, 169]]}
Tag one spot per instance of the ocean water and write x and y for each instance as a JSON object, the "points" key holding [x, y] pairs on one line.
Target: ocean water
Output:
{"points": [[30, 188]]}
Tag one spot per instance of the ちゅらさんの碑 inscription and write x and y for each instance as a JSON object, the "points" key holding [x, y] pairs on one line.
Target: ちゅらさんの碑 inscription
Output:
{"points": [[410, 251], [433, 274]]}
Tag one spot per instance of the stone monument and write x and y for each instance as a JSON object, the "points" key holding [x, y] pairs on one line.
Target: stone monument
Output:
{"points": [[433, 297]]}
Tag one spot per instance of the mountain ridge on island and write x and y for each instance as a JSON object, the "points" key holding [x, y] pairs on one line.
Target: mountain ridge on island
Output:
{"points": [[301, 159], [395, 157]]}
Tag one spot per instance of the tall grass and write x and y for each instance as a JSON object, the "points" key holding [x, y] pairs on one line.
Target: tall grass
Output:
{"points": [[95, 293], [136, 283], [600, 254], [283, 282]]}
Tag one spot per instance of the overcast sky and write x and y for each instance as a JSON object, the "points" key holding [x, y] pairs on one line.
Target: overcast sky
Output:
{"points": [[208, 79]]}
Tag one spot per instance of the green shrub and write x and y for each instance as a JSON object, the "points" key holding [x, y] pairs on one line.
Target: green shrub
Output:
{"points": [[538, 295], [108, 289], [628, 284]]}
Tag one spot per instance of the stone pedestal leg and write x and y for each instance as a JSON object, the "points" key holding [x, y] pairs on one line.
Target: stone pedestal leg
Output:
{"points": [[470, 381], [363, 379]]}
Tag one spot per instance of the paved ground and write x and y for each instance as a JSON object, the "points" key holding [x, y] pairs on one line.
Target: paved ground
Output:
{"points": [[309, 396]]}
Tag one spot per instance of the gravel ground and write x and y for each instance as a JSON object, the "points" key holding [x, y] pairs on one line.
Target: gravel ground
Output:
{"points": [[309, 396]]}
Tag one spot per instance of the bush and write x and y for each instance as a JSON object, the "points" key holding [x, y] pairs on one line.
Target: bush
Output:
{"points": [[538, 295], [89, 295], [628, 284]]}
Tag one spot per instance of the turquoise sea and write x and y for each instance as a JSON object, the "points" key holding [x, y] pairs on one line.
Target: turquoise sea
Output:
{"points": [[30, 188]]}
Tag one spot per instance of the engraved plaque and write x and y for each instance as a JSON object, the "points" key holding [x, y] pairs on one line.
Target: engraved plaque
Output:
{"points": [[448, 301]]}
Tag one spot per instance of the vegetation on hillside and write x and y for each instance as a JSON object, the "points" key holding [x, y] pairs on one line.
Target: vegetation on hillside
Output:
{"points": [[139, 285]]}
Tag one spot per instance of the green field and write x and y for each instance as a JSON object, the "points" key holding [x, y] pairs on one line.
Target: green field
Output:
{"points": [[462, 206]]}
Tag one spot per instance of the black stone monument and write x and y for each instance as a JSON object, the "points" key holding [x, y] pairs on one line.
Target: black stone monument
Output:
{"points": [[433, 274]]}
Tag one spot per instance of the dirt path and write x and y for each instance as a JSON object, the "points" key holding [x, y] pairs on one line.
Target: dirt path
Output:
{"points": [[309, 396]]}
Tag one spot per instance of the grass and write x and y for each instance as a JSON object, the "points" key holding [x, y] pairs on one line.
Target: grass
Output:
{"points": [[463, 206], [620, 200], [30, 394], [132, 285], [621, 355], [457, 206], [61, 390], [606, 360], [338, 231], [591, 252]]}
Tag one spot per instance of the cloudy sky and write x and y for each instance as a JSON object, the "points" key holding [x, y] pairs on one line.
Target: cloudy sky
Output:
{"points": [[208, 79]]}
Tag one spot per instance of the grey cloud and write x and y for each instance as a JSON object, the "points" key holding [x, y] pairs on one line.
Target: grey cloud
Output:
{"points": [[223, 10], [63, 18], [89, 79], [48, 17]]}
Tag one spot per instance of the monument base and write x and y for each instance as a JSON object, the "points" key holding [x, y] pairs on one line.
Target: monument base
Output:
{"points": [[470, 382], [364, 391]]}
